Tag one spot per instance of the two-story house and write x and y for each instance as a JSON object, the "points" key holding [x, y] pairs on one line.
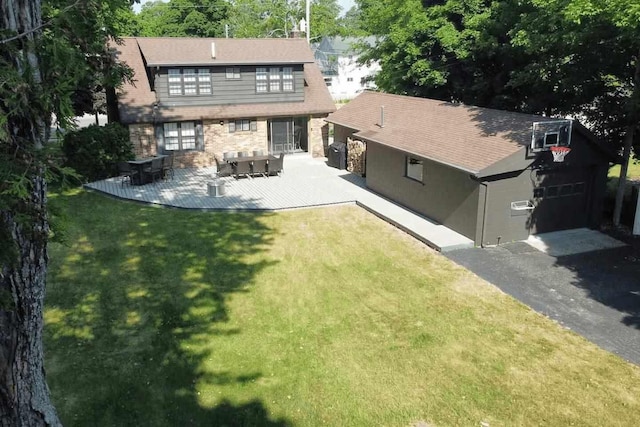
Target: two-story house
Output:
{"points": [[337, 58], [198, 98]]}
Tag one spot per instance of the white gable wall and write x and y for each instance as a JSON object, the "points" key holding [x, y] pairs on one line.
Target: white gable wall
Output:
{"points": [[348, 83]]}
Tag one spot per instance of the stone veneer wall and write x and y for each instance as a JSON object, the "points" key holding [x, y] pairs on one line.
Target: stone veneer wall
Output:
{"points": [[318, 136], [218, 140], [143, 139]]}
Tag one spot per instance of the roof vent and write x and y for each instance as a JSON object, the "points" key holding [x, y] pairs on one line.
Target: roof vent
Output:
{"points": [[382, 116], [213, 50]]}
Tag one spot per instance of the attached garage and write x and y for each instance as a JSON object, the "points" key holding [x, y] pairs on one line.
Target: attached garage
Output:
{"points": [[487, 174]]}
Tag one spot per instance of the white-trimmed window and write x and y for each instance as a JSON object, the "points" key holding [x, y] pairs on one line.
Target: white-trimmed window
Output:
{"points": [[415, 168], [175, 82], [189, 81], [243, 125], [262, 81], [180, 136], [274, 79], [204, 81], [287, 79], [233, 73]]}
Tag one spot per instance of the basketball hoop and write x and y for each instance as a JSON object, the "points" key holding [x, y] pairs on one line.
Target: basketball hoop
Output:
{"points": [[559, 153]]}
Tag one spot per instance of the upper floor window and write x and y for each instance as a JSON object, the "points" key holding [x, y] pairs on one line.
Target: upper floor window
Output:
{"points": [[287, 79], [262, 84], [233, 73], [189, 81], [274, 79]]}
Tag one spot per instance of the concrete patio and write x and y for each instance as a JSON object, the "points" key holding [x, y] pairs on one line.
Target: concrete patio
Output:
{"points": [[305, 183]]}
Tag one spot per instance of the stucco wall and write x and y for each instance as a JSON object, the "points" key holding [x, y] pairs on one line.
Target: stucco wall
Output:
{"points": [[446, 195]]}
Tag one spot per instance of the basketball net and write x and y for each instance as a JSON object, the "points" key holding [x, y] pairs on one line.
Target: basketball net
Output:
{"points": [[559, 153]]}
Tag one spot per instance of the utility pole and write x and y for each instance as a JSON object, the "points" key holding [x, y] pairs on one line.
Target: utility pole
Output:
{"points": [[308, 17]]}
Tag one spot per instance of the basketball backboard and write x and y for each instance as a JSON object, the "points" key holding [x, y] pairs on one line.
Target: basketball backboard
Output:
{"points": [[556, 133]]}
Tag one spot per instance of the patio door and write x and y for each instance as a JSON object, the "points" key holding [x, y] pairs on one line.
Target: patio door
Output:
{"points": [[281, 136], [288, 135]]}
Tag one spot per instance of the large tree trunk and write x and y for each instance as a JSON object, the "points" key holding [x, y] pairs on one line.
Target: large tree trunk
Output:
{"points": [[24, 395]]}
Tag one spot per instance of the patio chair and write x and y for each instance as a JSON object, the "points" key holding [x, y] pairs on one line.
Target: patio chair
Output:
{"points": [[223, 168], [243, 154], [154, 170], [259, 167], [167, 166], [229, 155], [276, 165], [243, 168], [257, 153], [126, 173]]}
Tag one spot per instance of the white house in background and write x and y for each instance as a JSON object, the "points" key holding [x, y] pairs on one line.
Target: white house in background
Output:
{"points": [[337, 58]]}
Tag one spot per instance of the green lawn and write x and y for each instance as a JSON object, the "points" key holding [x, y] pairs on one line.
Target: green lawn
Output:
{"points": [[160, 317], [632, 173]]}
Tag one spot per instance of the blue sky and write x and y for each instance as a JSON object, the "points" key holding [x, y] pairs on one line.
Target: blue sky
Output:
{"points": [[344, 4]]}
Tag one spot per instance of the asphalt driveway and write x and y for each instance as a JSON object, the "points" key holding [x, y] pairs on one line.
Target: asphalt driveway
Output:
{"points": [[596, 294]]}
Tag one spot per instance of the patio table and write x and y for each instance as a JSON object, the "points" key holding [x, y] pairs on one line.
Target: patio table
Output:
{"points": [[250, 159], [138, 165]]}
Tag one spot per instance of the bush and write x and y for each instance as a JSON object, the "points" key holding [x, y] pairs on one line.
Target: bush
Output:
{"points": [[94, 151]]}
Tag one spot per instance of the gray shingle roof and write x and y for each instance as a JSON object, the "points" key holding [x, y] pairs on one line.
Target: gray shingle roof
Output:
{"points": [[197, 51], [466, 137]]}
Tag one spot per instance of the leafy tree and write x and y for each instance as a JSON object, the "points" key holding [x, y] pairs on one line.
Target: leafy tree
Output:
{"points": [[325, 19], [276, 18], [552, 57], [183, 18], [351, 24], [615, 112], [41, 61], [263, 18]]}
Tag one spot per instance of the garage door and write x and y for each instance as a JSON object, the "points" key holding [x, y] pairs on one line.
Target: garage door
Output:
{"points": [[561, 201]]}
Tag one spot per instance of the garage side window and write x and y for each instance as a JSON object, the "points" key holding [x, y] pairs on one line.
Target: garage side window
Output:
{"points": [[414, 169]]}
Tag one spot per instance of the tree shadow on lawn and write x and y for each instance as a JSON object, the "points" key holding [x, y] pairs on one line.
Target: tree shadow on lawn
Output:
{"points": [[136, 307]]}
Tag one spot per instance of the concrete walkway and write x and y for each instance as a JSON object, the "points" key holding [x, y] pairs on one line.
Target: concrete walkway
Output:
{"points": [[572, 242], [306, 183]]}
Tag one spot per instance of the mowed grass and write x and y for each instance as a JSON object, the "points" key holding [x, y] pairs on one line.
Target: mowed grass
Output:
{"points": [[159, 317], [633, 172]]}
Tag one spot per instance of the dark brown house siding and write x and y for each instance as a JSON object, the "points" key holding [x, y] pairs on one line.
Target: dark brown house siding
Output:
{"points": [[230, 91], [564, 195], [481, 208], [446, 195]]}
